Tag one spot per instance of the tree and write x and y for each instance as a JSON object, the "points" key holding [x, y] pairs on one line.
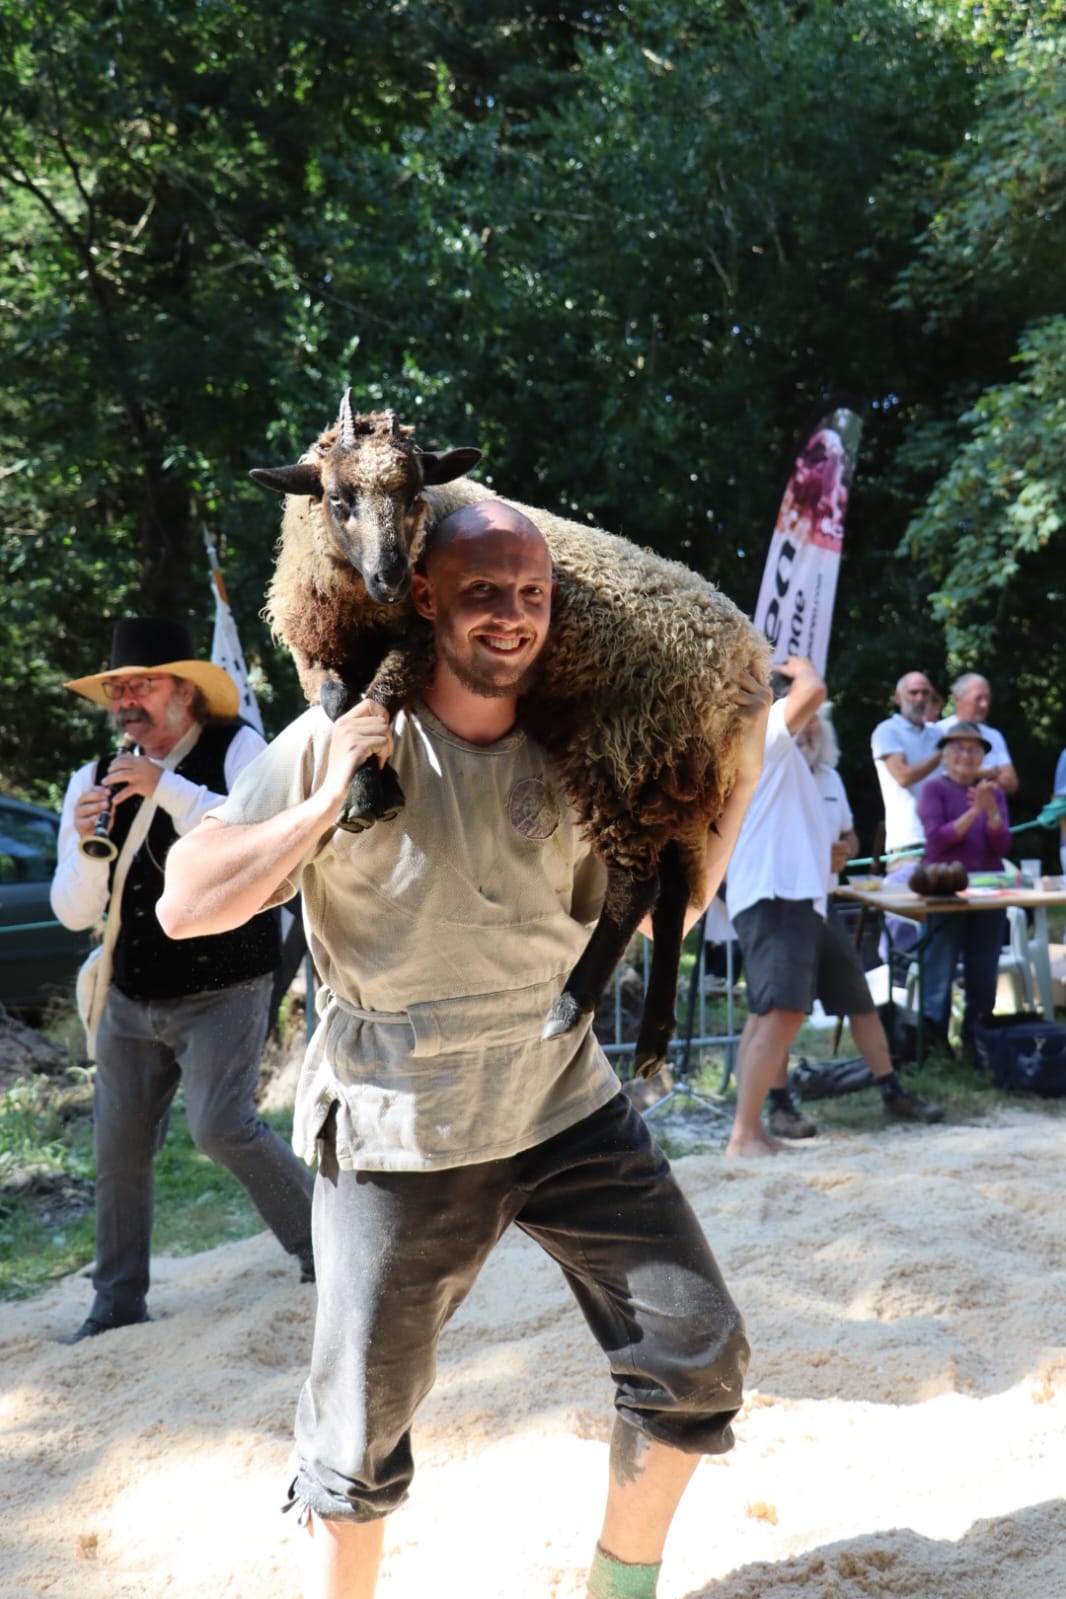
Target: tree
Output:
{"points": [[160, 170], [622, 249], [991, 535]]}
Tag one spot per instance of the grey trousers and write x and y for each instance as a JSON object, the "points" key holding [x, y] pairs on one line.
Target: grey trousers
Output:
{"points": [[397, 1253], [211, 1043]]}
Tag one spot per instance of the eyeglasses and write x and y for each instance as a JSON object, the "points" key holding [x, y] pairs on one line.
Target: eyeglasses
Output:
{"points": [[138, 688]]}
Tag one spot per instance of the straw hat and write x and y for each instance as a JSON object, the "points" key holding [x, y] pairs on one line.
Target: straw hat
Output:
{"points": [[143, 646]]}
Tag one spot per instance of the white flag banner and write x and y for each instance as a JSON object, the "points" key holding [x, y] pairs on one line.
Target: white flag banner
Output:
{"points": [[226, 645], [799, 583]]}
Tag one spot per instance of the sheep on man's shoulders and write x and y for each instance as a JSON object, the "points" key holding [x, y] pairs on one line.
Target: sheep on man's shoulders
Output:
{"points": [[635, 690]]}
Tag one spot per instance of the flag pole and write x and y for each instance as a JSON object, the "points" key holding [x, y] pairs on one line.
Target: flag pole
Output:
{"points": [[211, 546], [226, 645]]}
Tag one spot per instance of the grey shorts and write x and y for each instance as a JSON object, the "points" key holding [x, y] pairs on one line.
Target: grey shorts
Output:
{"points": [[396, 1253], [793, 956]]}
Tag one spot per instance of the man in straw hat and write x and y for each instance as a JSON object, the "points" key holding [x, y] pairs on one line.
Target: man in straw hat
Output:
{"points": [[194, 1012]]}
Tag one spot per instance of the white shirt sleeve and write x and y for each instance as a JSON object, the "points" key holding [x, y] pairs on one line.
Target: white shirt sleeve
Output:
{"points": [[80, 886], [1000, 754], [885, 740], [778, 737], [847, 820]]}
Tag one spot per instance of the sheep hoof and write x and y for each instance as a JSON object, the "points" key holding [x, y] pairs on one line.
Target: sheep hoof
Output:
{"points": [[374, 795], [335, 698], [563, 1016], [647, 1065], [386, 796], [353, 822]]}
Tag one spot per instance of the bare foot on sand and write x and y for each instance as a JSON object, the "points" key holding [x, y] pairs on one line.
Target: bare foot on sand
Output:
{"points": [[757, 1144]]}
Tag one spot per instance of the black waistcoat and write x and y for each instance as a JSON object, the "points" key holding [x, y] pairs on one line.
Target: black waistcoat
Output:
{"points": [[148, 964]]}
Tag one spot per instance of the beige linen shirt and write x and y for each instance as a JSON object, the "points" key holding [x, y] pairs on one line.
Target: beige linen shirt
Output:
{"points": [[441, 939]]}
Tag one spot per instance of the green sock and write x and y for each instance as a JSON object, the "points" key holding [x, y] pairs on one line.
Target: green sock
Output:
{"points": [[617, 1579]]}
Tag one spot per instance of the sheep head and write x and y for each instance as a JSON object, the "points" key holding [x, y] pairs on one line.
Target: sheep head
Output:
{"points": [[366, 475]]}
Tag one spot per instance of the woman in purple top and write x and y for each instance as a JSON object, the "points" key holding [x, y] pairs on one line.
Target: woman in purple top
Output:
{"points": [[964, 820]]}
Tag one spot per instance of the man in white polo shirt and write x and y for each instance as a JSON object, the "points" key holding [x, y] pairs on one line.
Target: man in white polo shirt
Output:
{"points": [[972, 698], [905, 752]]}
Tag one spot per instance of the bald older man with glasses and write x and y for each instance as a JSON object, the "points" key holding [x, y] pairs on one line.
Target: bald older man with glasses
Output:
{"points": [[194, 1013]]}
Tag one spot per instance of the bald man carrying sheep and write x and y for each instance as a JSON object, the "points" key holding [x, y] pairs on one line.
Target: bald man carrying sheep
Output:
{"points": [[437, 1115]]}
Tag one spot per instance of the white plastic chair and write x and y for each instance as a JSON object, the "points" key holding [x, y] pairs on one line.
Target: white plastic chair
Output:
{"points": [[1014, 961]]}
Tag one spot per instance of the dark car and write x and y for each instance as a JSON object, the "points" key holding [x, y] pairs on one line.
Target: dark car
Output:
{"points": [[38, 955]]}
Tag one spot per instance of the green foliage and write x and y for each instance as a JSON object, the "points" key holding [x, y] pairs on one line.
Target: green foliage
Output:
{"points": [[989, 535], [46, 1167], [33, 1138], [623, 250]]}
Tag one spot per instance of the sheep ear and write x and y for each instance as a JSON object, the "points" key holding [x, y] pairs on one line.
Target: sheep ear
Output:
{"points": [[303, 478], [444, 466]]}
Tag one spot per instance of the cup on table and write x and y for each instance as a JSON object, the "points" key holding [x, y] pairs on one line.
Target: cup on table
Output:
{"points": [[1031, 870]]}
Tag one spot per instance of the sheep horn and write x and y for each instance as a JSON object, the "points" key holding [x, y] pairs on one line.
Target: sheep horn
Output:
{"points": [[393, 423], [347, 421]]}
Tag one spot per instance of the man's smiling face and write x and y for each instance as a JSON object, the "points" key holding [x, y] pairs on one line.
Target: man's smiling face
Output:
{"points": [[488, 593]]}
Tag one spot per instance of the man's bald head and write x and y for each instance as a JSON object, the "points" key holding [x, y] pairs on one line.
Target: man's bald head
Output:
{"points": [[485, 582], [913, 692], [459, 532], [972, 696]]}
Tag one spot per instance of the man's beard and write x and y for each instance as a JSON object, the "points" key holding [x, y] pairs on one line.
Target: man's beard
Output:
{"points": [[487, 685]]}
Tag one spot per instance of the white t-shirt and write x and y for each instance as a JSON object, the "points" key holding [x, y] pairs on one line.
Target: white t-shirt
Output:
{"points": [[998, 755], [837, 810], [782, 851], [898, 736]]}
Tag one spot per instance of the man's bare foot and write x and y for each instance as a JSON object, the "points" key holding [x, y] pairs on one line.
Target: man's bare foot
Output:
{"points": [[756, 1145]]}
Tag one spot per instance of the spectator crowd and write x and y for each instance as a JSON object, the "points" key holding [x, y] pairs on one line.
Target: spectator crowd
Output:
{"points": [[945, 784]]}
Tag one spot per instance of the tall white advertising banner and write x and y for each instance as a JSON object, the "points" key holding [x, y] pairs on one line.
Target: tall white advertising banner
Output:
{"points": [[799, 582]]}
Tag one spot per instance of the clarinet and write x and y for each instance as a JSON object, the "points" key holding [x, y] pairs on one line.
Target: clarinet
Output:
{"points": [[97, 844]]}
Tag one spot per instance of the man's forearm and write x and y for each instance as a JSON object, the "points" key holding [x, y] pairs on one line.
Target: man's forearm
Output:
{"points": [[919, 770], [1005, 776], [806, 693], [219, 876]]}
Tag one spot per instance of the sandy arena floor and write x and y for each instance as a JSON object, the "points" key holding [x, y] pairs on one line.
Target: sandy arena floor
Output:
{"points": [[903, 1433]]}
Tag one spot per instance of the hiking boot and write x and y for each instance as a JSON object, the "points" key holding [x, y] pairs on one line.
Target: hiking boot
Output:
{"points": [[785, 1121], [911, 1107]]}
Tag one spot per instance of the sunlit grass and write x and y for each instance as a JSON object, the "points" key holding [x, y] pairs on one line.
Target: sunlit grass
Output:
{"points": [[46, 1170]]}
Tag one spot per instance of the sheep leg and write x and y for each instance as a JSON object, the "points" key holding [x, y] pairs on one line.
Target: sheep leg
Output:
{"points": [[374, 794], [668, 931], [626, 902]]}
